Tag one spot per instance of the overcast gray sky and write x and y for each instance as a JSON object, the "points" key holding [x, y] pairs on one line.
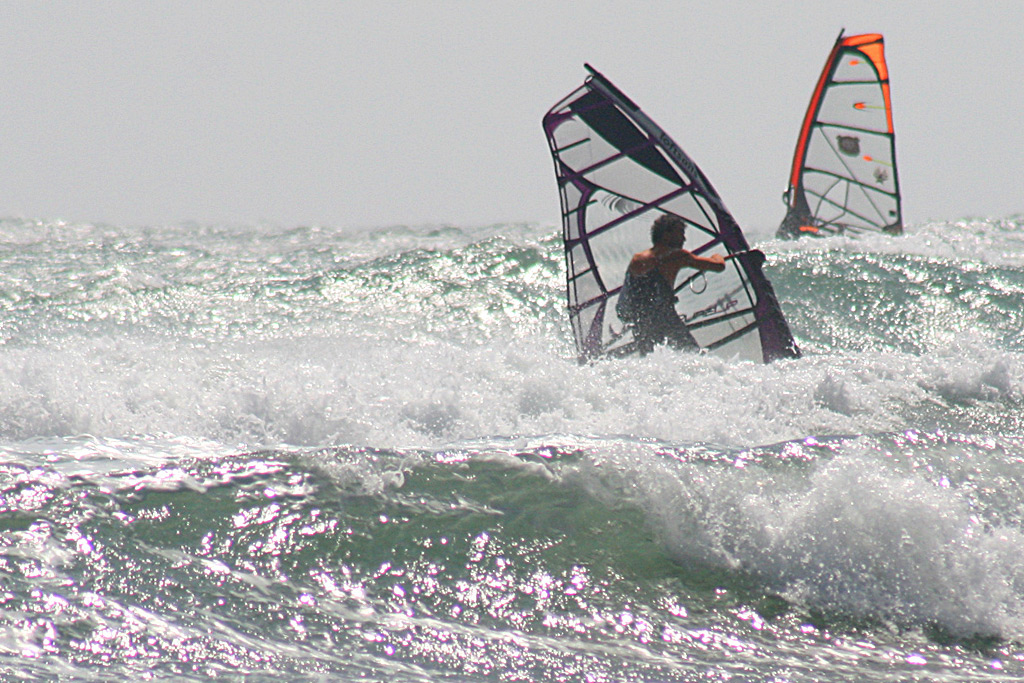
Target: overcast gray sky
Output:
{"points": [[362, 114]]}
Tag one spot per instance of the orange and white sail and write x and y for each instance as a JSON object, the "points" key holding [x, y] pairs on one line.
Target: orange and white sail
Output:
{"points": [[844, 179]]}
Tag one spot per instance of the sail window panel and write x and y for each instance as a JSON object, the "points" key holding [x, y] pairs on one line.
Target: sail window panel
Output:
{"points": [[837, 201], [823, 155], [571, 229], [855, 105], [616, 344], [830, 204], [831, 172], [854, 65], [747, 345], [584, 289], [867, 157], [616, 127], [571, 139], [614, 333], [568, 131], [870, 208], [593, 153], [608, 207], [841, 191], [583, 323], [714, 295], [709, 334], [708, 212], [695, 210], [566, 103], [578, 260], [629, 179], [577, 333], [826, 195], [572, 196], [570, 134], [613, 249], [611, 331], [574, 205]]}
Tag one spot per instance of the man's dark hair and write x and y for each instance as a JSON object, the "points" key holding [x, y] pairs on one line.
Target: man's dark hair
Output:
{"points": [[664, 224]]}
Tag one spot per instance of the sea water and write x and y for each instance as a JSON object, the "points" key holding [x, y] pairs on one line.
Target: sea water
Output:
{"points": [[306, 453]]}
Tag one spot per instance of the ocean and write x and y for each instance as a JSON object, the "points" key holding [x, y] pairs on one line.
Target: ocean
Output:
{"points": [[312, 454]]}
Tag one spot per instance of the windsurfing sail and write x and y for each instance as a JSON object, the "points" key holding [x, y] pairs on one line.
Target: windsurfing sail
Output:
{"points": [[617, 171], [844, 177]]}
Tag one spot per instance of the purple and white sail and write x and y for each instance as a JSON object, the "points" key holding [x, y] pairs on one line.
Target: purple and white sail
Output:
{"points": [[617, 171]]}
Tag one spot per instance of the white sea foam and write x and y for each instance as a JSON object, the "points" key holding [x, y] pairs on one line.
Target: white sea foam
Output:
{"points": [[452, 340], [318, 392], [870, 533], [138, 363], [968, 242]]}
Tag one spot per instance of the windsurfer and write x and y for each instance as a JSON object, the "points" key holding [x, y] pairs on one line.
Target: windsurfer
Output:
{"points": [[647, 299]]}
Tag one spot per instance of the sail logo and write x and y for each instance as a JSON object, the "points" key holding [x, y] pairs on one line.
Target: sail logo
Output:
{"points": [[849, 145], [721, 306], [677, 154]]}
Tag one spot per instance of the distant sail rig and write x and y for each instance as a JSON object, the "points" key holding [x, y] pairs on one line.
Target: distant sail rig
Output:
{"points": [[843, 179], [617, 171]]}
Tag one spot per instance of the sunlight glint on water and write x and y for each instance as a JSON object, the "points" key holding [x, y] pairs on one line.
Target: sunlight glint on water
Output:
{"points": [[317, 454]]}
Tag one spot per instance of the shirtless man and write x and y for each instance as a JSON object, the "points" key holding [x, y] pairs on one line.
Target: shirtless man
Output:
{"points": [[647, 299]]}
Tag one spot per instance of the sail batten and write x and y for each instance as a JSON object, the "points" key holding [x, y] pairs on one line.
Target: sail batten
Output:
{"points": [[626, 217], [617, 171], [844, 177]]}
